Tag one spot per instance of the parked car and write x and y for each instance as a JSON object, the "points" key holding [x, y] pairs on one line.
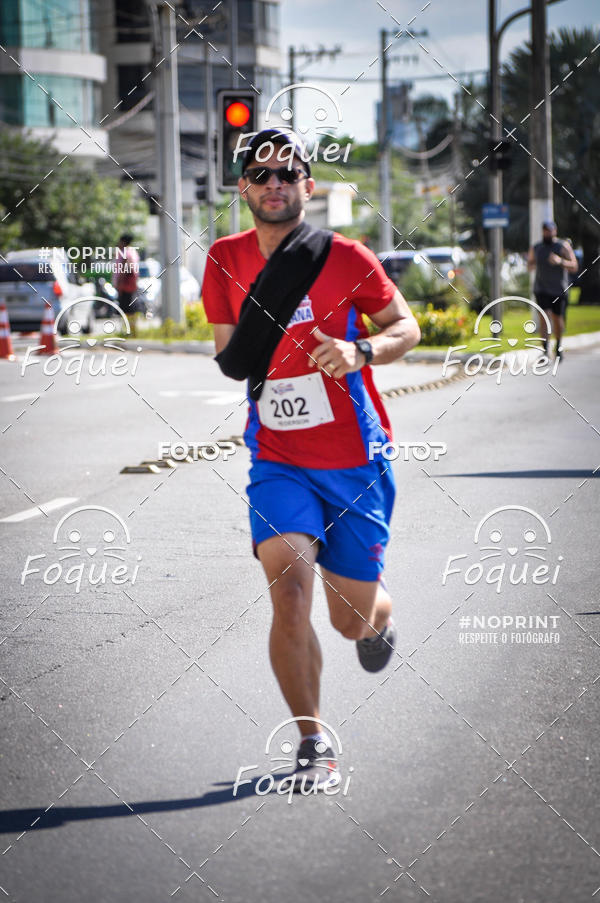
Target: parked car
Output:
{"points": [[396, 263], [446, 260], [30, 279], [149, 285]]}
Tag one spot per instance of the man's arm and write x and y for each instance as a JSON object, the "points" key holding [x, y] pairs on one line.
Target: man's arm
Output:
{"points": [[399, 333], [531, 260], [567, 258], [223, 332]]}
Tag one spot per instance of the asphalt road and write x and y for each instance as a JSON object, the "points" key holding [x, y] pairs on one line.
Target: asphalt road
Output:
{"points": [[128, 708]]}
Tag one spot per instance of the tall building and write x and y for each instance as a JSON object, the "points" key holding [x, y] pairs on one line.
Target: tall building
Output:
{"points": [[126, 34], [51, 74]]}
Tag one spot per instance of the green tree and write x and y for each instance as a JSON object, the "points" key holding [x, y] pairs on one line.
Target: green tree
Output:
{"points": [[575, 138], [575, 141], [61, 204]]}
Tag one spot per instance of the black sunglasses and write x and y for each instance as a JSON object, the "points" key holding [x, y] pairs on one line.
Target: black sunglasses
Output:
{"points": [[260, 175]]}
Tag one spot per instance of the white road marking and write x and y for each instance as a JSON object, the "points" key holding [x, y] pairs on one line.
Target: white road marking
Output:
{"points": [[227, 398], [35, 512], [211, 396], [97, 386], [25, 397]]}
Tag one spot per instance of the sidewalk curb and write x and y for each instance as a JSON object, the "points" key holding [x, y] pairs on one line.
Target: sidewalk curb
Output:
{"points": [[581, 340]]}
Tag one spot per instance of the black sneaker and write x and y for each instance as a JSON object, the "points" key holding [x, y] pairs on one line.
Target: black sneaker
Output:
{"points": [[375, 654], [316, 764]]}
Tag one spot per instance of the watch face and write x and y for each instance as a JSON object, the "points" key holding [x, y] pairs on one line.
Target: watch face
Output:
{"points": [[365, 346]]}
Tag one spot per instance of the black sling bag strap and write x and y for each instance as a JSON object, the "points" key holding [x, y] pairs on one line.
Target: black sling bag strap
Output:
{"points": [[273, 297]]}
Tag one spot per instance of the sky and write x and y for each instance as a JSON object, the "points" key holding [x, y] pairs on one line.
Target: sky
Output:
{"points": [[457, 39]]}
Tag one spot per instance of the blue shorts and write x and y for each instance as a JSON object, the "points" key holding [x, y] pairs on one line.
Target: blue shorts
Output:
{"points": [[348, 511]]}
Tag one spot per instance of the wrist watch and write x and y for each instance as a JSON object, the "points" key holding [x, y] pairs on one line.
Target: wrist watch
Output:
{"points": [[367, 349]]}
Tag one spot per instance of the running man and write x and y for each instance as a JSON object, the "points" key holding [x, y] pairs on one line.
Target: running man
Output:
{"points": [[316, 495], [552, 260]]}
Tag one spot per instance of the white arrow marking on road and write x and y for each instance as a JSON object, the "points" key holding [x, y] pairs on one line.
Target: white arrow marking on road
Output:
{"points": [[35, 512]]}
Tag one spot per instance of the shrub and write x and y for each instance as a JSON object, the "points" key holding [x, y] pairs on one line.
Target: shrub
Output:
{"points": [[196, 322], [445, 327], [421, 283]]}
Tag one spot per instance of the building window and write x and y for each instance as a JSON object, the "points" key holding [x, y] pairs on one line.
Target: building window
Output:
{"points": [[25, 104], [11, 99], [192, 83], [267, 25], [132, 21], [131, 88], [30, 23]]}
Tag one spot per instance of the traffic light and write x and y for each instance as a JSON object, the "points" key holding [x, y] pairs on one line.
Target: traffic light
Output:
{"points": [[236, 111], [499, 153], [201, 188]]}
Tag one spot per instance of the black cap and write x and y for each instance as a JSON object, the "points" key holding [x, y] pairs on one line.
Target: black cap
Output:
{"points": [[549, 224], [276, 136]]}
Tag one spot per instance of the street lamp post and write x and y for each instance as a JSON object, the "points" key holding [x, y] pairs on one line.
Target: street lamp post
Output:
{"points": [[496, 234]]}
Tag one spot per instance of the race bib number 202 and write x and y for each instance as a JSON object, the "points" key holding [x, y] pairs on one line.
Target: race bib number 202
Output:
{"points": [[298, 403]]}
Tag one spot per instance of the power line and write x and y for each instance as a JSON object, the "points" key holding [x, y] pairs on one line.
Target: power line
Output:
{"points": [[411, 78]]}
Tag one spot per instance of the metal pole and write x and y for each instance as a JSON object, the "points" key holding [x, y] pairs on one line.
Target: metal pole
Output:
{"points": [[386, 240], [170, 165], [495, 189], [540, 181], [210, 160], [292, 67], [234, 221]]}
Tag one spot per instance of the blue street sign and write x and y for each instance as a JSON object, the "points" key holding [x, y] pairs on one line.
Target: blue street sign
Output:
{"points": [[495, 215]]}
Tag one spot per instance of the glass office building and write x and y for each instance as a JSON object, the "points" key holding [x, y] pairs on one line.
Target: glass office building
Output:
{"points": [[51, 85]]}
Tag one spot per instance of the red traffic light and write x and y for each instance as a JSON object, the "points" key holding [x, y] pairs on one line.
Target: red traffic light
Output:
{"points": [[237, 114]]}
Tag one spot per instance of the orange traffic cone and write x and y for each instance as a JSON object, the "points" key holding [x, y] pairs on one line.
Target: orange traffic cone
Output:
{"points": [[48, 343], [6, 349]]}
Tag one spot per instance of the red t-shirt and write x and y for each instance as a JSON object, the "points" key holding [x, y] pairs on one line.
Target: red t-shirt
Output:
{"points": [[349, 411]]}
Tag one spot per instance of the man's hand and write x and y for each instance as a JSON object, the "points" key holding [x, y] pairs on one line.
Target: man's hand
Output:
{"points": [[556, 260], [335, 356]]}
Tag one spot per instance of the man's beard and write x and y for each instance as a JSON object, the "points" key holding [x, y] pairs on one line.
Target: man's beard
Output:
{"points": [[289, 210]]}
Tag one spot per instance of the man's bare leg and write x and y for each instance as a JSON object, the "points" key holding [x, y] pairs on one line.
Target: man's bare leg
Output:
{"points": [[355, 605], [293, 644], [558, 325], [544, 334]]}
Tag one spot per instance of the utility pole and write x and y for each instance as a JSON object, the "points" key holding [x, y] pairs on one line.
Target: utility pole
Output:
{"points": [[540, 135], [311, 57], [386, 239], [495, 190], [210, 155], [386, 234], [169, 158], [292, 77], [234, 222]]}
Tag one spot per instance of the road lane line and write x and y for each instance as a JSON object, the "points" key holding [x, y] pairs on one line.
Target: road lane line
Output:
{"points": [[26, 397], [35, 512]]}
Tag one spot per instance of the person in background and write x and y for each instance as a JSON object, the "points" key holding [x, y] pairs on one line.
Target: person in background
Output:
{"points": [[127, 267], [552, 261]]}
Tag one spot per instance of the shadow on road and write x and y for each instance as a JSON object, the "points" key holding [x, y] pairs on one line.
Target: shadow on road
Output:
{"points": [[17, 820], [530, 474]]}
